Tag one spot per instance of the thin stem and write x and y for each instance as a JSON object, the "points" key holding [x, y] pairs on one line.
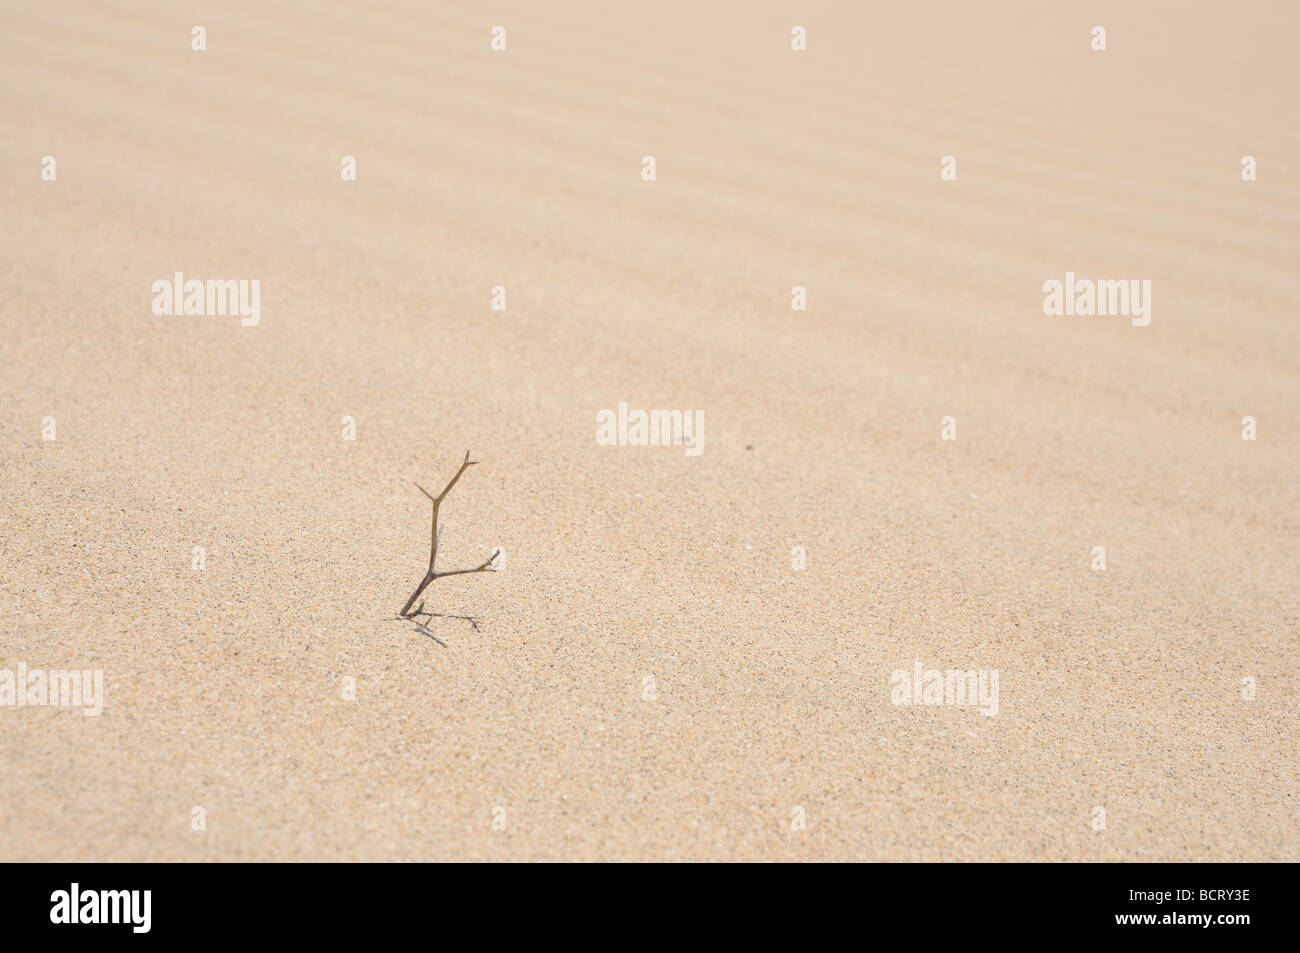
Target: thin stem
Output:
{"points": [[434, 536], [406, 609]]}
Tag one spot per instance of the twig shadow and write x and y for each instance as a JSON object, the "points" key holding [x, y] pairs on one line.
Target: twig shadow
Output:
{"points": [[423, 627]]}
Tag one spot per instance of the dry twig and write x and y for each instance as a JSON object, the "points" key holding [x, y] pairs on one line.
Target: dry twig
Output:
{"points": [[432, 574]]}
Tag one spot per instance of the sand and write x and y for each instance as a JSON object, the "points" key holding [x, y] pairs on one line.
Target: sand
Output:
{"points": [[652, 678]]}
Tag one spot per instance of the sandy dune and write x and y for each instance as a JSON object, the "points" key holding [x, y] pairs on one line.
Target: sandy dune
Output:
{"points": [[643, 571]]}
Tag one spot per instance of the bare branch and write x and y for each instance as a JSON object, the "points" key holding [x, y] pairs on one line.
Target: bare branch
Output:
{"points": [[463, 467], [462, 572], [435, 536], [486, 567]]}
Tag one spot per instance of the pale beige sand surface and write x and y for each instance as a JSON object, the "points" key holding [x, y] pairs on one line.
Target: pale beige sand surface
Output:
{"points": [[224, 688]]}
